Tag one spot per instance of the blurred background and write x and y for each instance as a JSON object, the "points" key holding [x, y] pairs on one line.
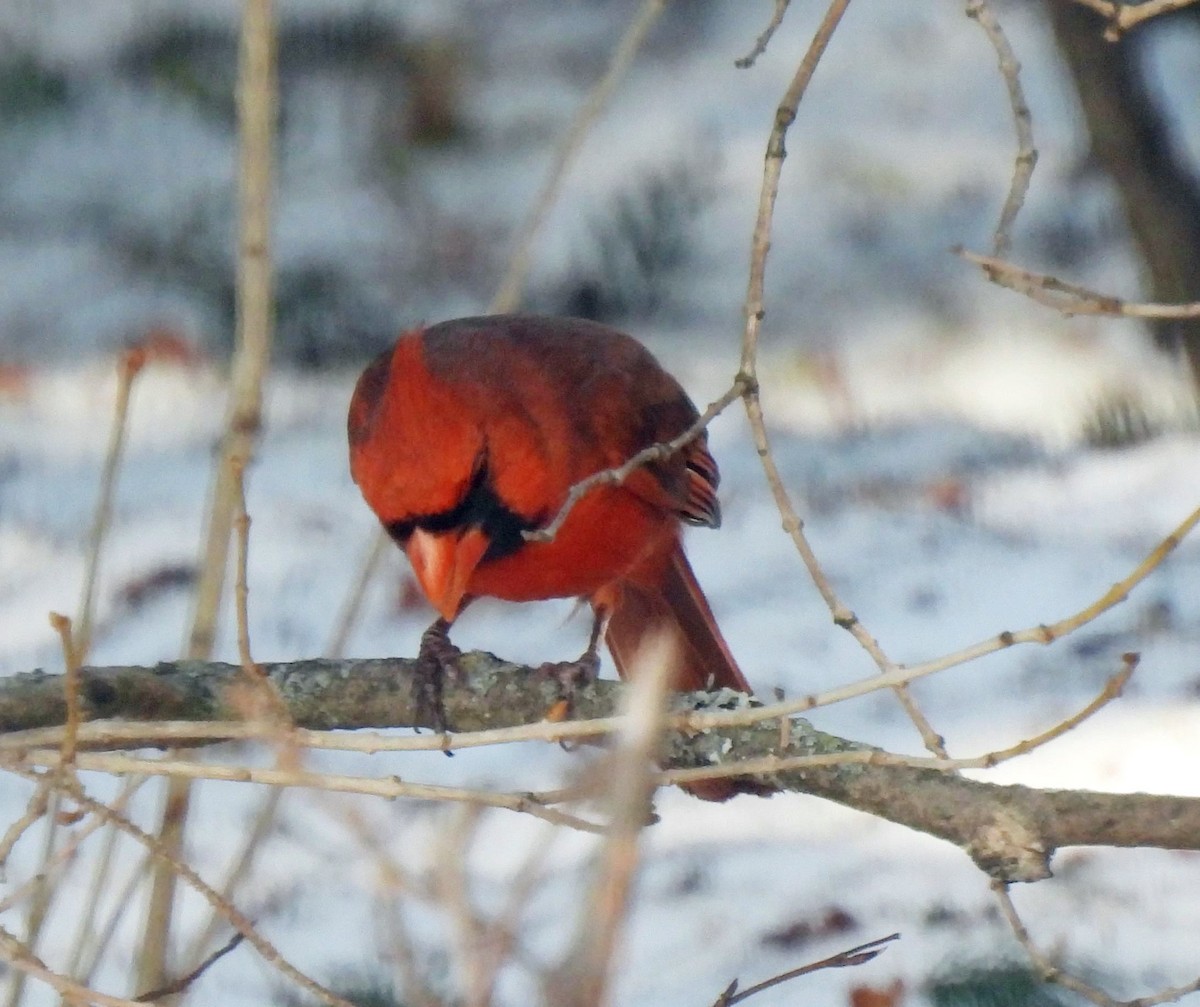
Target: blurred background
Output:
{"points": [[967, 461], [414, 135]]}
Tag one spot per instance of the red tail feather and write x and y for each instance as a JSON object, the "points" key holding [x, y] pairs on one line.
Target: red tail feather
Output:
{"points": [[674, 605]]}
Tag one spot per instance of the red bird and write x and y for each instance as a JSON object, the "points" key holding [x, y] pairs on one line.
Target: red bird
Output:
{"points": [[466, 434]]}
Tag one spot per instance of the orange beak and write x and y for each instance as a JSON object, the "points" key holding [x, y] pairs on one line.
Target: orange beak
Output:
{"points": [[443, 563]]}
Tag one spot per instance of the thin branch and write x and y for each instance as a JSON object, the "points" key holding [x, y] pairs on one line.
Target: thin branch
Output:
{"points": [[181, 869], [785, 115], [508, 294], [242, 864], [1053, 973], [35, 809], [71, 658], [139, 735], [451, 888], [128, 367], [257, 100], [1070, 298], [264, 696], [1040, 634], [127, 734], [764, 39], [851, 957], [618, 474], [101, 937], [1047, 970], [257, 94], [241, 586], [182, 983], [1009, 831], [49, 801], [1122, 17], [395, 881], [1026, 159], [387, 787], [352, 605], [989, 760], [363, 693], [23, 961], [1047, 634], [264, 701], [584, 976], [754, 312]]}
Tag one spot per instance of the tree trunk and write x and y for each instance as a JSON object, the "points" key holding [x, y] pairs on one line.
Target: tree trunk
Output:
{"points": [[1131, 142]]}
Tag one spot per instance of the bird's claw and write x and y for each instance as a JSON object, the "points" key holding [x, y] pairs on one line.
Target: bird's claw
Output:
{"points": [[437, 659], [572, 675]]}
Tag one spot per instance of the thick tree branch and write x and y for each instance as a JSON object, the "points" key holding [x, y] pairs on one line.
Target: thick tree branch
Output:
{"points": [[1010, 831]]}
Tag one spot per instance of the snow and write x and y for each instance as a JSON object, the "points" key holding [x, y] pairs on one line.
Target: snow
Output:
{"points": [[927, 424]]}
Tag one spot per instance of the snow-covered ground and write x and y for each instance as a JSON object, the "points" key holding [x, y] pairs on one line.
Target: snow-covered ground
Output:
{"points": [[1031, 536], [929, 426]]}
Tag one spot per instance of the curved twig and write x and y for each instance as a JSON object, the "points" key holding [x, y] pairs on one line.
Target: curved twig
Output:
{"points": [[1026, 159], [764, 39]]}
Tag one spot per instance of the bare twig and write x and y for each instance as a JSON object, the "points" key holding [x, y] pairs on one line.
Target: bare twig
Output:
{"points": [[241, 586], [754, 312], [1046, 634], [72, 659], [35, 809], [852, 956], [618, 474], [27, 702], [1040, 634], [1050, 972], [23, 961], [764, 39], [85, 930], [352, 606], [1009, 830], [49, 802], [989, 760], [265, 700], [257, 112], [582, 979], [134, 735], [785, 115], [128, 368], [508, 294], [183, 982], [252, 842], [452, 890], [1026, 159], [75, 646], [1070, 298], [1124, 16], [181, 869], [509, 290], [94, 943], [394, 883], [387, 787], [257, 109]]}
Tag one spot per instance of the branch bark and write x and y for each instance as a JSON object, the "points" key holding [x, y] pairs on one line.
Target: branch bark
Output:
{"points": [[1011, 832]]}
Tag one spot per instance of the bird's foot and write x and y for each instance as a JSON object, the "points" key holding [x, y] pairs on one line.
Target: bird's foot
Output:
{"points": [[437, 659], [572, 676]]}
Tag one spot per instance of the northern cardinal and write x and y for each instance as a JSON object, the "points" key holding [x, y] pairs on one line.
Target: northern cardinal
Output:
{"points": [[468, 433]]}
